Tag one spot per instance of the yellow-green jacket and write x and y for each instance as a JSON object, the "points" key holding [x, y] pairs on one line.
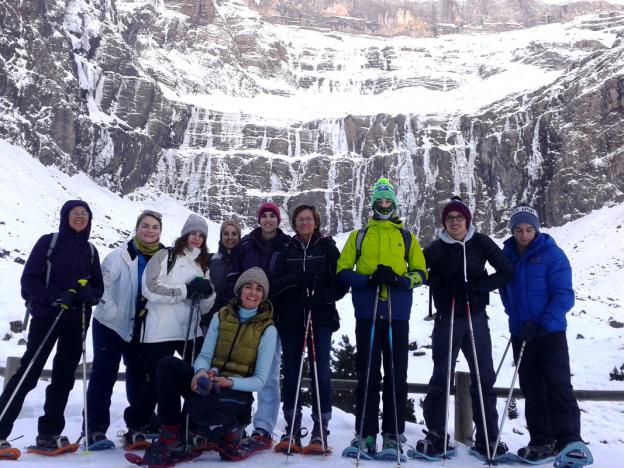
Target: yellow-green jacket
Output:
{"points": [[382, 245]]}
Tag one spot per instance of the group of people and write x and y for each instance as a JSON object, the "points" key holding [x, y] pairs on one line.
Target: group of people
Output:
{"points": [[263, 299]]}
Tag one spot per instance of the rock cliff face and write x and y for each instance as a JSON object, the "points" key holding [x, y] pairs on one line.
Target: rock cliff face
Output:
{"points": [[219, 106]]}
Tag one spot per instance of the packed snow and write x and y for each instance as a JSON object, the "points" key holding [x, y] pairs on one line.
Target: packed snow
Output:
{"points": [[33, 194]]}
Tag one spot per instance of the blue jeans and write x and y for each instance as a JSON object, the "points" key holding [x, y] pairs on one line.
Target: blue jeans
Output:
{"points": [[292, 342], [269, 397], [108, 349]]}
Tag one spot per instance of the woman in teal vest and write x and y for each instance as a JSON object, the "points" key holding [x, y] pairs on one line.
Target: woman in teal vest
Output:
{"points": [[235, 361]]}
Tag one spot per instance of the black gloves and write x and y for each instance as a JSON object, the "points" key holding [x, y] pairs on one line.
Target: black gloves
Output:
{"points": [[86, 295], [65, 299], [198, 287], [306, 279], [384, 275], [532, 330]]}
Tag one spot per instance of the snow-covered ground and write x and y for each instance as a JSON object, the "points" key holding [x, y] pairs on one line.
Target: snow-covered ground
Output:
{"points": [[33, 194]]}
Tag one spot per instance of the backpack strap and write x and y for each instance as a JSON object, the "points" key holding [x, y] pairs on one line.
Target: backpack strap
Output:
{"points": [[407, 242], [358, 242], [171, 259], [49, 256]]}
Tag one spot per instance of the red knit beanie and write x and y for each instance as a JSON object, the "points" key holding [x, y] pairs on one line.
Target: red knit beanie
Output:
{"points": [[272, 207], [456, 204]]}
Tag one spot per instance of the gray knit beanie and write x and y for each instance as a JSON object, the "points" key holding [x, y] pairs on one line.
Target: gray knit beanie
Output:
{"points": [[194, 223], [253, 275]]}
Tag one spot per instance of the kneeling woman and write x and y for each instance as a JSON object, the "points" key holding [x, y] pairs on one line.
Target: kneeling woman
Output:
{"points": [[235, 361]]}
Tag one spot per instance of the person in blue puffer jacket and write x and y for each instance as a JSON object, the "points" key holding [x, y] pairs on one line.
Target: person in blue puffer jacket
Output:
{"points": [[537, 301]]}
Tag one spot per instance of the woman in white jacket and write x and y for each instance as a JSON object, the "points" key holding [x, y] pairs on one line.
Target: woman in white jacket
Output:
{"points": [[178, 290], [114, 332]]}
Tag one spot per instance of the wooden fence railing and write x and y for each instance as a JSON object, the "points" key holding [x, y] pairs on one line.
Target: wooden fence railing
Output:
{"points": [[463, 402]]}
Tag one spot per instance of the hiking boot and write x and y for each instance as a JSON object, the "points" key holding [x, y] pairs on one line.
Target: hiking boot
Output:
{"points": [[51, 442], [390, 442], [4, 445], [96, 437], [258, 440], [134, 439], [433, 444], [367, 445], [294, 442], [537, 452], [500, 450], [160, 452], [317, 437]]}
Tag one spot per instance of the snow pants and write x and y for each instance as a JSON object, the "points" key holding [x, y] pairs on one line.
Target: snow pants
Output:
{"points": [[381, 355], [434, 405], [108, 350], [551, 411], [292, 347], [138, 415], [67, 335]]}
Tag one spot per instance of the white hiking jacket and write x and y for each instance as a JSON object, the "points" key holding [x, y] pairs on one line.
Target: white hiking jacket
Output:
{"points": [[117, 307], [168, 309]]}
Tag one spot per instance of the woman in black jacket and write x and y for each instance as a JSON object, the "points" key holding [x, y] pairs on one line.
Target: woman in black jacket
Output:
{"points": [[303, 282]]}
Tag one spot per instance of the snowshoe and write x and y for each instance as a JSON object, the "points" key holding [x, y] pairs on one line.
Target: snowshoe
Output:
{"points": [[533, 455], [288, 445], [574, 455], [315, 447], [141, 461], [134, 440], [366, 448], [431, 448], [52, 446], [7, 452], [258, 440], [502, 453], [318, 441], [98, 441], [392, 449]]}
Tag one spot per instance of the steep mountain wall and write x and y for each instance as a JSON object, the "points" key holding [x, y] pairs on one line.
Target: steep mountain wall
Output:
{"points": [[210, 103]]}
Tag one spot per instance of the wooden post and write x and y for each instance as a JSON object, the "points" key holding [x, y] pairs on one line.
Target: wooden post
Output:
{"points": [[463, 408], [12, 364]]}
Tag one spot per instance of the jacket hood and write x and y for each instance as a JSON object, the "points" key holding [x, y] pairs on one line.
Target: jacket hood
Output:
{"points": [[446, 237], [64, 222]]}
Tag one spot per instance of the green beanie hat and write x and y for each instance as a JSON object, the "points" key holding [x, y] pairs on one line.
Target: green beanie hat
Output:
{"points": [[383, 189]]}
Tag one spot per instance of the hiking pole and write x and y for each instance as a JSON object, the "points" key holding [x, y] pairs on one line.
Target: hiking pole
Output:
{"points": [[478, 375], [63, 307], [303, 349], [194, 304], [511, 388], [370, 358], [500, 364], [83, 283], [187, 422], [392, 377], [448, 377], [316, 386]]}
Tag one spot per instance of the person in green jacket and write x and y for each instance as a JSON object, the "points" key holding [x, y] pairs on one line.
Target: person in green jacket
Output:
{"points": [[389, 264]]}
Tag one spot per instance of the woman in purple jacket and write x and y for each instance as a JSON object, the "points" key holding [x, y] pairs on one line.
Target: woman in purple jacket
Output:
{"points": [[51, 283]]}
